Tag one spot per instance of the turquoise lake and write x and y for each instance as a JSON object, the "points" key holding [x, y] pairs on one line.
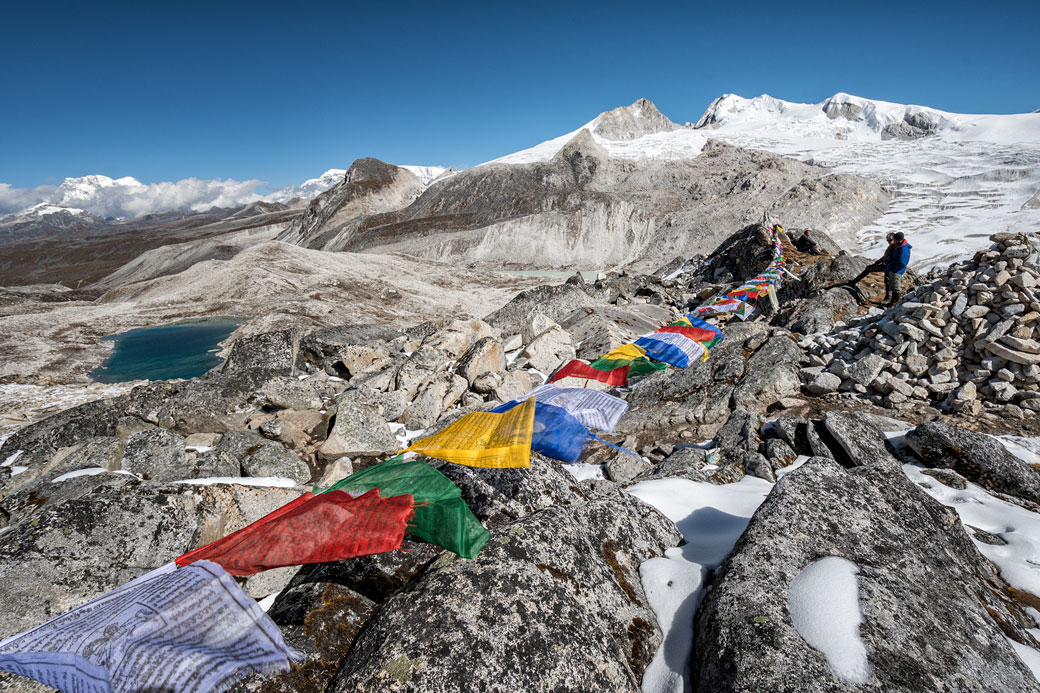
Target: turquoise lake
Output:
{"points": [[181, 350]]}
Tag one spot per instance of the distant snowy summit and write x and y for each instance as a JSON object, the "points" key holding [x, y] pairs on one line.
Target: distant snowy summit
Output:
{"points": [[90, 200], [847, 117]]}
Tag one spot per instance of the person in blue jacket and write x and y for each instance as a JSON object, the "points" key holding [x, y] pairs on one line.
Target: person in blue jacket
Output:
{"points": [[898, 259]]}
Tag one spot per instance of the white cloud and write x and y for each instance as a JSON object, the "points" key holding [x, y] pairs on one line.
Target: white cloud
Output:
{"points": [[14, 200], [127, 197]]}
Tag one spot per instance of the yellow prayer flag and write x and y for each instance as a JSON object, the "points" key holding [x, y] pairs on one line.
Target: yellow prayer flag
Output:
{"points": [[627, 352], [484, 439]]}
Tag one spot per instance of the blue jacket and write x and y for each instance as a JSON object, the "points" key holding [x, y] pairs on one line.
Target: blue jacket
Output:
{"points": [[898, 260]]}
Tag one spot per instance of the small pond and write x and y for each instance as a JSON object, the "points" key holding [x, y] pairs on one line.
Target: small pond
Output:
{"points": [[181, 350]]}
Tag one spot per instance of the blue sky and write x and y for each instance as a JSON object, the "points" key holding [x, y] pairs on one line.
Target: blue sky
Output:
{"points": [[281, 92]]}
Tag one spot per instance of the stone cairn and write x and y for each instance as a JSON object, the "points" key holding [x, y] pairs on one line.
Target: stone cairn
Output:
{"points": [[965, 341]]}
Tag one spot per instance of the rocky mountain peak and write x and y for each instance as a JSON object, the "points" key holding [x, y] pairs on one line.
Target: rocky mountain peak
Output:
{"points": [[584, 155], [632, 122]]}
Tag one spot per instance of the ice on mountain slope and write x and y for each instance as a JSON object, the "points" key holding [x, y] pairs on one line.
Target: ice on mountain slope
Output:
{"points": [[972, 177]]}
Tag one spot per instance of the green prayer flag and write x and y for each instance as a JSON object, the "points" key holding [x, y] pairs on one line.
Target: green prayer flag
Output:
{"points": [[441, 516]]}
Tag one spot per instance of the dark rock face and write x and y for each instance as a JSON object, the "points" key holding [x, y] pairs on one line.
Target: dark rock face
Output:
{"points": [[322, 348], [977, 457], [529, 613], [78, 424], [752, 369], [934, 615], [213, 404], [555, 302]]}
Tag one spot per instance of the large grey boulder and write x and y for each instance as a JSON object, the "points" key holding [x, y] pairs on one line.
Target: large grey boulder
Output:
{"points": [[484, 357], [861, 441], [214, 403], [933, 618], [73, 551], [359, 429], [346, 350], [977, 457], [553, 301], [554, 602], [272, 352], [257, 456], [39, 441], [549, 350], [500, 496], [157, 455], [286, 392]]}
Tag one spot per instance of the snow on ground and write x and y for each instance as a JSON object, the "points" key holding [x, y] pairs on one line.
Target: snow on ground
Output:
{"points": [[1019, 559], [268, 481], [711, 518], [581, 471], [824, 604]]}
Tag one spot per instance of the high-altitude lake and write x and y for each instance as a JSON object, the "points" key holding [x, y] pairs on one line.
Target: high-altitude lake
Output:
{"points": [[181, 350]]}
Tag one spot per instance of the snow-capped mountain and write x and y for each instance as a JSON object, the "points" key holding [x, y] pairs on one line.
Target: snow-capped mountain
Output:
{"points": [[124, 198], [957, 178]]}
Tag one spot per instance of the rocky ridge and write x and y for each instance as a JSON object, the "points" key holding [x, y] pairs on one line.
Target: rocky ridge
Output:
{"points": [[555, 600]]}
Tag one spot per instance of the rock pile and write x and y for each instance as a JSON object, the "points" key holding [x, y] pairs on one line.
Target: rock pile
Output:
{"points": [[966, 341]]}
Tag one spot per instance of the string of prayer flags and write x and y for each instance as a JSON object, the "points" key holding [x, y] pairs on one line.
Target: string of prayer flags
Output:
{"points": [[557, 434], [739, 308], [190, 630], [484, 439], [311, 529], [594, 409], [673, 349], [441, 516]]}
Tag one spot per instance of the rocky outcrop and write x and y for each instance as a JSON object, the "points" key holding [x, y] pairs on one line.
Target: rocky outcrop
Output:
{"points": [[977, 457], [528, 613], [72, 551], [745, 638]]}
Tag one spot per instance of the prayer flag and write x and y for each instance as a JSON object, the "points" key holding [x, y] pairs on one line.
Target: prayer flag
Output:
{"points": [[441, 516], [192, 629], [594, 409], [615, 375], [673, 349], [484, 439], [557, 434], [311, 529], [628, 351]]}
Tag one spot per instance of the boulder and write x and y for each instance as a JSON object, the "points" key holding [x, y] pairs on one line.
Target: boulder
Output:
{"points": [[357, 348], [861, 441], [771, 375], [624, 467], [484, 357], [553, 301], [287, 392], [455, 339], [358, 430], [975, 456], [898, 539], [823, 383], [562, 591], [257, 456], [157, 455], [272, 352], [419, 369], [500, 496], [549, 350], [76, 550]]}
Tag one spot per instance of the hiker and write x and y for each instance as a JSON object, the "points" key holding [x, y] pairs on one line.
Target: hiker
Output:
{"points": [[881, 265], [897, 262], [807, 244]]}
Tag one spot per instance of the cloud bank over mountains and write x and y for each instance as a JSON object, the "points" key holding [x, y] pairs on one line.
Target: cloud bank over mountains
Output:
{"points": [[127, 197]]}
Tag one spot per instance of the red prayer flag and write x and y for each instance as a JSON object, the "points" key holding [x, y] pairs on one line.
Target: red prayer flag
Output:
{"points": [[697, 334], [312, 529], [580, 369]]}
